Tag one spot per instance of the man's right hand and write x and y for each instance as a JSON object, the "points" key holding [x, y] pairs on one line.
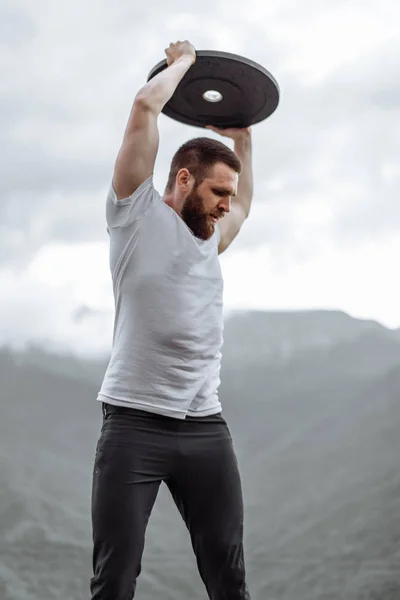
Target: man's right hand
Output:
{"points": [[180, 50]]}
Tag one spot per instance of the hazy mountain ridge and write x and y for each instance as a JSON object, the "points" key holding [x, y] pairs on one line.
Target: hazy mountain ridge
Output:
{"points": [[317, 439], [265, 337], [279, 335]]}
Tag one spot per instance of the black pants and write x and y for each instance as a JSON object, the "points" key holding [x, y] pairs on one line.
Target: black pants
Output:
{"points": [[195, 458]]}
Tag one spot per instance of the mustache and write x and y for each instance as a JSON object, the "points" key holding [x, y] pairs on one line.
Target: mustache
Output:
{"points": [[218, 214]]}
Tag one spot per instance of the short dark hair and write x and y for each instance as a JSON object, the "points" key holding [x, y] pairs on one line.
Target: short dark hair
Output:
{"points": [[198, 156]]}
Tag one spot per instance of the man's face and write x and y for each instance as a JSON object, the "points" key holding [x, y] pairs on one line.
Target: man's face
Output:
{"points": [[208, 202]]}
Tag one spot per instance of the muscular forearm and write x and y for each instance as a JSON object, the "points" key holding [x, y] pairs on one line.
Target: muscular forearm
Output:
{"points": [[159, 90], [243, 149]]}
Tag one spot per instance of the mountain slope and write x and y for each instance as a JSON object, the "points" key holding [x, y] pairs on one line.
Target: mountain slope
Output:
{"points": [[316, 432]]}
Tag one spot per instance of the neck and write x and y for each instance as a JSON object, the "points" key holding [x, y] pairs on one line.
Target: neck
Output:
{"points": [[173, 202]]}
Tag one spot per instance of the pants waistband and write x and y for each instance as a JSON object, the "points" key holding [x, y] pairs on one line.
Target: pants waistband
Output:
{"points": [[109, 409]]}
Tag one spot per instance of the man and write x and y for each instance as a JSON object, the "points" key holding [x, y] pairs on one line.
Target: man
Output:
{"points": [[162, 419]]}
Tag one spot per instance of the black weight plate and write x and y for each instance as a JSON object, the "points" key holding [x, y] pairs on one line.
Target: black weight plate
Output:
{"points": [[250, 94]]}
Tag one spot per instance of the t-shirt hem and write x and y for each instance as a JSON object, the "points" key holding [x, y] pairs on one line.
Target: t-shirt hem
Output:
{"points": [[215, 410], [153, 408], [160, 410]]}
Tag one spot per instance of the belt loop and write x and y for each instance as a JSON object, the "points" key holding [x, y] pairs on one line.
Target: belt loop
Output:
{"points": [[104, 409]]}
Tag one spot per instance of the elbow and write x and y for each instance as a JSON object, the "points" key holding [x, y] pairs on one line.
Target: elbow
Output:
{"points": [[145, 101]]}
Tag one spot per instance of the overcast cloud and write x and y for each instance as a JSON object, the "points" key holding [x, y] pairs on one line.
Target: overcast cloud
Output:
{"points": [[326, 163]]}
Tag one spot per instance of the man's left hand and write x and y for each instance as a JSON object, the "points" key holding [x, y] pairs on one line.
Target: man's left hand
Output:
{"points": [[232, 133]]}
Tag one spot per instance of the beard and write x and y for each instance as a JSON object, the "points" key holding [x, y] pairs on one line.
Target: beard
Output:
{"points": [[196, 217]]}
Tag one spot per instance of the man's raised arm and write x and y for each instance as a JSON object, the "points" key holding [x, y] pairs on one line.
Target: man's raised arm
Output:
{"points": [[231, 224], [137, 156]]}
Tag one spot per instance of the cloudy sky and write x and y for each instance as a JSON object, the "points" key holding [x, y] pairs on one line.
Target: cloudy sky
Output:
{"points": [[324, 231]]}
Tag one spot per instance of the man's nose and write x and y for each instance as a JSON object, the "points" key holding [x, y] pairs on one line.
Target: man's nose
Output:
{"points": [[225, 204]]}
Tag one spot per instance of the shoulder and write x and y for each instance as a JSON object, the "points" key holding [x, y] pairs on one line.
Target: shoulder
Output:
{"points": [[127, 210], [146, 187]]}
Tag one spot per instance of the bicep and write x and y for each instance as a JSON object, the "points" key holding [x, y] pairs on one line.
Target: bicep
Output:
{"points": [[137, 156], [230, 226]]}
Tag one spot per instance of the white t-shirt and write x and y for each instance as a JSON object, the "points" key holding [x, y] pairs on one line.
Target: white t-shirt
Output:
{"points": [[168, 328]]}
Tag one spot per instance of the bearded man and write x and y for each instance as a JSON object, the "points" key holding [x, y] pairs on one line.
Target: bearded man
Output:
{"points": [[162, 418]]}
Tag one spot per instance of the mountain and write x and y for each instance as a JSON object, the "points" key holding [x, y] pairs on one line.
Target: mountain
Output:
{"points": [[279, 335], [312, 400]]}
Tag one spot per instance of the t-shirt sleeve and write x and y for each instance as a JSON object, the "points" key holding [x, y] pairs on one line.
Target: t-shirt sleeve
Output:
{"points": [[120, 213]]}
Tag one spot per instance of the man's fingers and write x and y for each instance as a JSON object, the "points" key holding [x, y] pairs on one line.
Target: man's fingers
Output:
{"points": [[214, 129]]}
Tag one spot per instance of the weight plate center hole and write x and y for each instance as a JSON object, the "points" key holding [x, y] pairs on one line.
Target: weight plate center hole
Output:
{"points": [[212, 96]]}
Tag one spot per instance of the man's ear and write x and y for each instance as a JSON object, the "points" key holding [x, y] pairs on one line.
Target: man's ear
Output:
{"points": [[184, 180]]}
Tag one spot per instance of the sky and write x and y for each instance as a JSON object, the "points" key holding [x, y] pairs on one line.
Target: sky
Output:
{"points": [[324, 229]]}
